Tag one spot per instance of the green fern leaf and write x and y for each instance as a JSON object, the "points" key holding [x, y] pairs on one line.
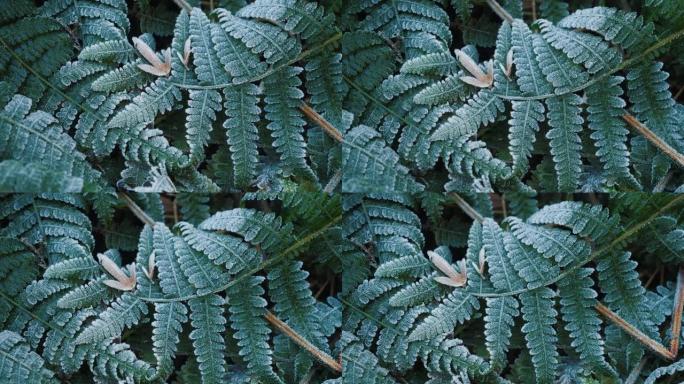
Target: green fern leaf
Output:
{"points": [[124, 312], [171, 278], [610, 134], [17, 176], [578, 299], [591, 51], [19, 363], [540, 317], [566, 121], [453, 310], [261, 38], [282, 98], [200, 116], [209, 325], [500, 313], [553, 243], [372, 166], [247, 310], [532, 267], [503, 275], [159, 97], [166, 328], [524, 124], [530, 78], [243, 112], [203, 275], [207, 65]]}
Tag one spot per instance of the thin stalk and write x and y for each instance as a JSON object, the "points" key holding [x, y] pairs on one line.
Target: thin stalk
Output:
{"points": [[500, 11], [677, 313], [467, 208], [322, 122], [302, 342], [634, 332], [183, 5], [137, 211], [636, 372], [654, 139]]}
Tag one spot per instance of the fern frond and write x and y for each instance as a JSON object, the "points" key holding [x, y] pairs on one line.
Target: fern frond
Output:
{"points": [[584, 220], [124, 312], [159, 97], [282, 98], [626, 29], [200, 116], [294, 301], [243, 112], [247, 310], [482, 109], [540, 317], [307, 19], [371, 166], [171, 278], [610, 134], [19, 363], [36, 136], [553, 243], [524, 124], [590, 51], [166, 328], [35, 177], [261, 38], [530, 78], [504, 277], [221, 249], [203, 275], [577, 306], [500, 314], [566, 121], [207, 65], [209, 325]]}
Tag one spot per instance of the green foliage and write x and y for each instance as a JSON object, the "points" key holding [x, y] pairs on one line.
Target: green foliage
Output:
{"points": [[187, 284], [557, 76], [19, 363], [539, 278], [302, 191]]}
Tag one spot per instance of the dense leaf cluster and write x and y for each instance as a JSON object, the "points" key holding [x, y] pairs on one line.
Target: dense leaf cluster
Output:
{"points": [[366, 191]]}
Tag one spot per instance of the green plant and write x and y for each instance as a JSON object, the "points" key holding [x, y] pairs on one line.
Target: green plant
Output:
{"points": [[534, 285], [578, 80], [189, 289], [301, 191], [147, 115]]}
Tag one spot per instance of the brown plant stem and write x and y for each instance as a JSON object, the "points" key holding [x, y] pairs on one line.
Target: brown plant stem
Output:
{"points": [[654, 139], [467, 208], [302, 342], [135, 208], [634, 332], [322, 122], [677, 313], [183, 5], [500, 11]]}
